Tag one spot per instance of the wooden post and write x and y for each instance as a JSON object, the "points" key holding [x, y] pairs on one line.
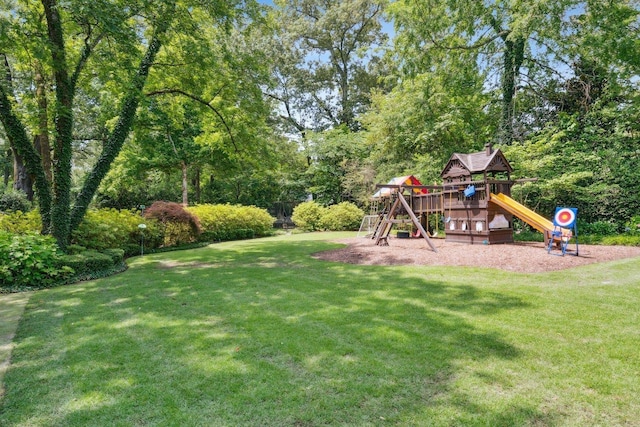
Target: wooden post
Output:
{"points": [[387, 225], [416, 222]]}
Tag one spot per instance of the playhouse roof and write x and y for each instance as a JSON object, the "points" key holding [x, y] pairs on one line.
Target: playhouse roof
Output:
{"points": [[406, 180], [484, 161]]}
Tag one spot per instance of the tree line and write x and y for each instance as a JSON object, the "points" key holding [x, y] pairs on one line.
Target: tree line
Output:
{"points": [[119, 103]]}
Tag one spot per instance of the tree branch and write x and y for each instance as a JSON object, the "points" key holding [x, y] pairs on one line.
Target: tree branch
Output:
{"points": [[201, 101], [7, 71], [289, 117], [477, 45], [84, 57]]}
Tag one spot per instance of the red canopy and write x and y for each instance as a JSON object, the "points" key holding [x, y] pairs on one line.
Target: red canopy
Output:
{"points": [[400, 180]]}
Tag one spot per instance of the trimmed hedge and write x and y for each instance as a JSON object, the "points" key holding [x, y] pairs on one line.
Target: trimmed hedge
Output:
{"points": [[13, 201], [344, 216], [308, 216], [109, 228], [99, 245], [311, 216], [232, 222], [91, 263]]}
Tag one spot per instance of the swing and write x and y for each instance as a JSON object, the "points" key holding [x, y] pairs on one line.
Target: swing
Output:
{"points": [[416, 233], [431, 207], [436, 212], [448, 220]]}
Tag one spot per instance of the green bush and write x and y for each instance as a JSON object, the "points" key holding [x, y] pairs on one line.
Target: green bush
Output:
{"points": [[528, 236], [30, 261], [89, 262], [600, 228], [179, 225], [633, 225], [308, 216], [116, 254], [621, 240], [232, 222], [111, 228], [13, 201], [342, 217], [20, 222]]}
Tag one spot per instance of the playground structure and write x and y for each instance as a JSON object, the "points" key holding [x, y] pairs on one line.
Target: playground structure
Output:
{"points": [[474, 202]]}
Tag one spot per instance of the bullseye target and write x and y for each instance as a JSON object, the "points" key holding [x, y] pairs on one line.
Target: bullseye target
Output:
{"points": [[565, 217]]}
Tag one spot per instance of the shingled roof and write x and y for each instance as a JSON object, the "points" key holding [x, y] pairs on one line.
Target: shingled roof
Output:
{"points": [[460, 165]]}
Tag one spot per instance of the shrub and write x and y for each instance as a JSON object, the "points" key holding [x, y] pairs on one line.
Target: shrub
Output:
{"points": [[621, 240], [633, 225], [342, 217], [30, 261], [308, 215], [89, 262], [600, 228], [232, 222], [116, 254], [528, 236], [13, 201], [111, 228], [179, 225], [21, 223]]}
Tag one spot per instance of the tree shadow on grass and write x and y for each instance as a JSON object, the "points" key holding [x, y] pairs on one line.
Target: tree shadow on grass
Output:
{"points": [[265, 336]]}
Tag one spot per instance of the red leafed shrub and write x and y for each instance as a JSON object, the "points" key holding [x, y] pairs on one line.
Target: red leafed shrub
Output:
{"points": [[180, 226]]}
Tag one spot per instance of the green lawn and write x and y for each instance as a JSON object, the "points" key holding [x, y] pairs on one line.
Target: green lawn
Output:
{"points": [[11, 309], [258, 333]]}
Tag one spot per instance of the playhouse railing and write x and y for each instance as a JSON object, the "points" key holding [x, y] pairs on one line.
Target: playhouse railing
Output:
{"points": [[443, 196]]}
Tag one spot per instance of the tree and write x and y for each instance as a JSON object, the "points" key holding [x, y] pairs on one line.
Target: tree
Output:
{"points": [[585, 155], [326, 60], [512, 39], [102, 47], [336, 156], [170, 137], [204, 114], [416, 127]]}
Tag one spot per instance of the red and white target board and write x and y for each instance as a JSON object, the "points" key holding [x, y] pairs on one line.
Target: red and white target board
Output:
{"points": [[565, 217]]}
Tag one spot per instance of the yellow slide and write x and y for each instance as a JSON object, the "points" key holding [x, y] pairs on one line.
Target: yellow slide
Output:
{"points": [[538, 222]]}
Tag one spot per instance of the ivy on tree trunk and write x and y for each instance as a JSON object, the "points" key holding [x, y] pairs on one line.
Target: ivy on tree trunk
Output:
{"points": [[512, 61], [20, 143], [54, 195], [114, 143]]}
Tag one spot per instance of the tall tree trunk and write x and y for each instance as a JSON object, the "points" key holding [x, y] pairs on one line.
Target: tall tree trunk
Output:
{"points": [[196, 185], [185, 184], [512, 61], [60, 210], [21, 178], [22, 146], [42, 140], [6, 168]]}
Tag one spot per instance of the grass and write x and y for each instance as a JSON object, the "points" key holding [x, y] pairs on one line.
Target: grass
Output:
{"points": [[11, 309], [258, 333]]}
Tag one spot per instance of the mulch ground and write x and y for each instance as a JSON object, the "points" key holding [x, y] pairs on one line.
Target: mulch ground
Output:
{"points": [[526, 257]]}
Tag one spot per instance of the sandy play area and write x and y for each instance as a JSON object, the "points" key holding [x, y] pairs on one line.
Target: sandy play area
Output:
{"points": [[520, 257]]}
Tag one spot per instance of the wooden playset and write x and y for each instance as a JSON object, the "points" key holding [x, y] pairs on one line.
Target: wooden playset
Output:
{"points": [[474, 201]]}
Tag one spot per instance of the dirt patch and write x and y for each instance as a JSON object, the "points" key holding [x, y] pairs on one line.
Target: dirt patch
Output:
{"points": [[175, 264], [520, 257]]}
